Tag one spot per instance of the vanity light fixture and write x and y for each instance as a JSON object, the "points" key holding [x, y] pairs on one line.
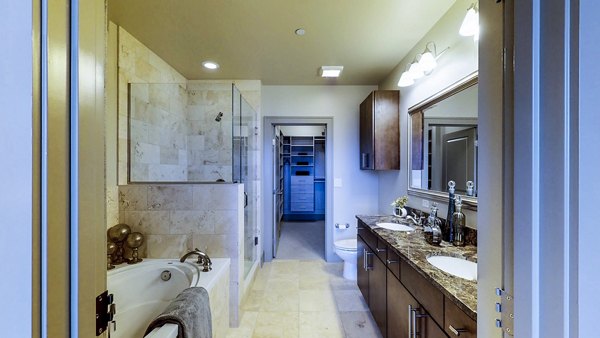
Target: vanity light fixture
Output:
{"points": [[470, 24], [210, 65], [330, 71], [423, 64]]}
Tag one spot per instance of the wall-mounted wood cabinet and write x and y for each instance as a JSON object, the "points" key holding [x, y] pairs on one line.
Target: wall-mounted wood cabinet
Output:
{"points": [[380, 131]]}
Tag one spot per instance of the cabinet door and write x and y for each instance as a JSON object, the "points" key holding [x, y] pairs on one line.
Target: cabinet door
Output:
{"points": [[386, 130], [366, 133], [400, 321], [362, 275], [378, 292], [457, 323]]}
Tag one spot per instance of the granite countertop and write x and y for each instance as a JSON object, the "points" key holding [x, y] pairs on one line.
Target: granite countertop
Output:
{"points": [[415, 250]]}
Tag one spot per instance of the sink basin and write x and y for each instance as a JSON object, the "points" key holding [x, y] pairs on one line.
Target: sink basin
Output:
{"points": [[395, 227], [458, 267]]}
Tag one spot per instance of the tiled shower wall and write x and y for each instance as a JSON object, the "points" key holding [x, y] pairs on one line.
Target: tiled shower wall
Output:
{"points": [[177, 218], [209, 141], [158, 128]]}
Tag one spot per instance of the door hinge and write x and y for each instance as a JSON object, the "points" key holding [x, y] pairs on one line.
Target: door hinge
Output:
{"points": [[506, 308], [105, 312]]}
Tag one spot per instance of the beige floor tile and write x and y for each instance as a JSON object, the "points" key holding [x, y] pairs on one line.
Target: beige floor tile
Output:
{"points": [[285, 267], [308, 299], [248, 319], [283, 282], [280, 301], [312, 282], [320, 324], [350, 300], [254, 301], [240, 332], [276, 324], [359, 325], [317, 300]]}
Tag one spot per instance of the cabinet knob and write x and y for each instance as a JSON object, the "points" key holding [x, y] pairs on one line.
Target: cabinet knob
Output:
{"points": [[457, 332], [381, 249], [389, 261]]}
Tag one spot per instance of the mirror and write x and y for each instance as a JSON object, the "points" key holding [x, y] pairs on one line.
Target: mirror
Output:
{"points": [[443, 143]]}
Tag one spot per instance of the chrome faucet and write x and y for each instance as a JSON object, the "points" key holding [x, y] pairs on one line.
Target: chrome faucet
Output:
{"points": [[203, 259], [416, 220]]}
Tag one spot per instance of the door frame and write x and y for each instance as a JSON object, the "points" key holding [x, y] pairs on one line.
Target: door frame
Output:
{"points": [[269, 122]]}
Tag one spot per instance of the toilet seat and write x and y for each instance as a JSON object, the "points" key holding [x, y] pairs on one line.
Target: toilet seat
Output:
{"points": [[346, 244]]}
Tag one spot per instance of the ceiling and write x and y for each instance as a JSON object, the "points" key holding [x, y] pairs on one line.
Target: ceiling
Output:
{"points": [[254, 39]]}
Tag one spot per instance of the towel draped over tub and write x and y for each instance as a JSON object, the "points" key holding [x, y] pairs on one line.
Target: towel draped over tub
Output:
{"points": [[190, 311]]}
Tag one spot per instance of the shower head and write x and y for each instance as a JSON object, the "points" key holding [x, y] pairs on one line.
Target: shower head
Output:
{"points": [[218, 118]]}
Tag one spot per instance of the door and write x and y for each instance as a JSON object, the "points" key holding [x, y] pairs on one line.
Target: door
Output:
{"points": [[277, 190], [458, 158]]}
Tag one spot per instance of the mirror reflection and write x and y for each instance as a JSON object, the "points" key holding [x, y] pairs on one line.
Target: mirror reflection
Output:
{"points": [[444, 140]]}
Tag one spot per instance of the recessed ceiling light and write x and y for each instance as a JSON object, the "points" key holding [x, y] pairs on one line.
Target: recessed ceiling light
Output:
{"points": [[300, 31], [330, 71], [210, 65]]}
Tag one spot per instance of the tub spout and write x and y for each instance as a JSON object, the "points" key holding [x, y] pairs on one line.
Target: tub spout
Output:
{"points": [[203, 259]]}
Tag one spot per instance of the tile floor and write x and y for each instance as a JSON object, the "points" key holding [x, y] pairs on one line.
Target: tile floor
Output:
{"points": [[302, 240], [302, 299]]}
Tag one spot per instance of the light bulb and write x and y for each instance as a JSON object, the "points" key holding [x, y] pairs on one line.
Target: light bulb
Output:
{"points": [[416, 71], [470, 25], [427, 62], [405, 80]]}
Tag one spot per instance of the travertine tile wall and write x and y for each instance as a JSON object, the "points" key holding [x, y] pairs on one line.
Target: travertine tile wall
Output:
{"points": [[158, 126], [210, 147], [177, 218]]}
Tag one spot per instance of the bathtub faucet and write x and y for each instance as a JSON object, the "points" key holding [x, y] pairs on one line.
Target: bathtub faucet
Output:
{"points": [[203, 259]]}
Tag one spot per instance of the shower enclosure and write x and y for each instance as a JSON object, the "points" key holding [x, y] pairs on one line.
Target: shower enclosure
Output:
{"points": [[196, 132]]}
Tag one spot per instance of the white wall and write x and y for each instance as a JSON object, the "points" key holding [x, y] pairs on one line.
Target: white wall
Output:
{"points": [[359, 191], [455, 64]]}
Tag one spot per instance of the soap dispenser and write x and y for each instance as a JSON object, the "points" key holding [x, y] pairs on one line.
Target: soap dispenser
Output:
{"points": [[458, 224], [432, 228], [451, 186]]}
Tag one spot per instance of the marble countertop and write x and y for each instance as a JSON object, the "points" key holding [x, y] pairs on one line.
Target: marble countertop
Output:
{"points": [[415, 250]]}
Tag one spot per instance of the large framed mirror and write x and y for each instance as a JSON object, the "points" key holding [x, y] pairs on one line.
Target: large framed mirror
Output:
{"points": [[443, 143]]}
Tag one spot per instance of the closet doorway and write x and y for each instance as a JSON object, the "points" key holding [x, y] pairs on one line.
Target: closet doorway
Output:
{"points": [[297, 213]]}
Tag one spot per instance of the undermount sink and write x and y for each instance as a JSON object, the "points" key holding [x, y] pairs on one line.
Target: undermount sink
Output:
{"points": [[458, 267], [395, 227]]}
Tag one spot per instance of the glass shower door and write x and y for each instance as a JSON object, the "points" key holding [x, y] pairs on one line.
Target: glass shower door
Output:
{"points": [[246, 162]]}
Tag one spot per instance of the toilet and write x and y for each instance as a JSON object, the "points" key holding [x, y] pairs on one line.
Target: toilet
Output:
{"points": [[346, 249]]}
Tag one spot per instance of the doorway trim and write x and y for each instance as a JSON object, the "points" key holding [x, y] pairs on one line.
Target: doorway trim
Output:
{"points": [[269, 122]]}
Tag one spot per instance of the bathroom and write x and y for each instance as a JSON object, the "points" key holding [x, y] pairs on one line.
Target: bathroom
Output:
{"points": [[66, 225]]}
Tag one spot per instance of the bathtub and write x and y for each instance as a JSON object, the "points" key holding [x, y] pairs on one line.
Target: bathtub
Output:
{"points": [[141, 294]]}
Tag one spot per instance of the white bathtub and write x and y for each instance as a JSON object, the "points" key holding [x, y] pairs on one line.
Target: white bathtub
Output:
{"points": [[140, 294]]}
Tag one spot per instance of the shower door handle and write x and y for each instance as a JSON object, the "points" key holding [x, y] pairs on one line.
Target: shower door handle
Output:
{"points": [[245, 199]]}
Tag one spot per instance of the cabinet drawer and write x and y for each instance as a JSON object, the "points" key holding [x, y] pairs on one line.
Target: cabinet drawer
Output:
{"points": [[425, 293], [456, 318], [393, 263], [302, 180], [303, 198], [367, 235], [303, 206], [302, 189]]}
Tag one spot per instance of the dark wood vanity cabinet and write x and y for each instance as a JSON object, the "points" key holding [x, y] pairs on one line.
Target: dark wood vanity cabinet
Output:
{"points": [[380, 131], [403, 302]]}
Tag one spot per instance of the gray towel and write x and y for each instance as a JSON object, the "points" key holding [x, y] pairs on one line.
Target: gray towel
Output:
{"points": [[190, 311]]}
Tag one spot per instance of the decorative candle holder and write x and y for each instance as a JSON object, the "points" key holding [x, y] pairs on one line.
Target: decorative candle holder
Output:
{"points": [[134, 241], [110, 250], [118, 234]]}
